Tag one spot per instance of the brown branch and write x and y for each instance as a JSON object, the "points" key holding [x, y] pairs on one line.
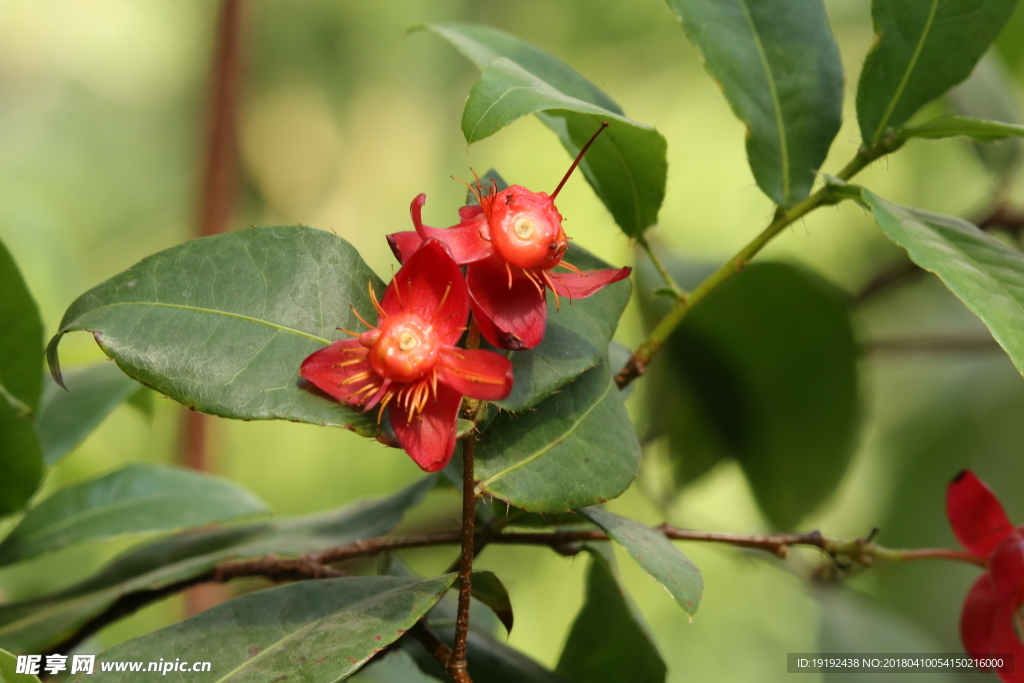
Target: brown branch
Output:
{"points": [[456, 666], [950, 344]]}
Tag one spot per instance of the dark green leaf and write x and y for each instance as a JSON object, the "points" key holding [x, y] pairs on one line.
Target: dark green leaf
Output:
{"points": [[313, 631], [489, 660], [627, 164], [922, 49], [37, 625], [779, 67], [608, 641], [655, 554], [576, 339], [990, 94], [66, 417], [8, 666], [222, 323], [138, 498], [770, 361], [489, 590], [21, 339], [962, 126], [21, 459], [984, 273], [576, 448]]}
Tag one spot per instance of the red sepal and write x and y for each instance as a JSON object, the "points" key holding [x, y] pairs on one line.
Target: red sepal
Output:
{"points": [[509, 317], [580, 286], [476, 373], [428, 438], [326, 369], [404, 244], [977, 517]]}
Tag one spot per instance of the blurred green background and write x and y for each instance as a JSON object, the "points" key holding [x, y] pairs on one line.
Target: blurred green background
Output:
{"points": [[346, 119]]}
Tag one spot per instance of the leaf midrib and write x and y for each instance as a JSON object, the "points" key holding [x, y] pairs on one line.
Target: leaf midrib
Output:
{"points": [[482, 486], [776, 104], [199, 309], [906, 74]]}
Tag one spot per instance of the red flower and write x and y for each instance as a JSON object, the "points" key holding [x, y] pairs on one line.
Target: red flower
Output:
{"points": [[987, 624], [409, 363], [510, 242]]}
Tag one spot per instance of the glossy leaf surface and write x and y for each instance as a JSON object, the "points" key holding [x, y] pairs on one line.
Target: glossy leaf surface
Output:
{"points": [[655, 554], [984, 273], [576, 448], [922, 49], [626, 166], [316, 631], [779, 68], [222, 323], [135, 499]]}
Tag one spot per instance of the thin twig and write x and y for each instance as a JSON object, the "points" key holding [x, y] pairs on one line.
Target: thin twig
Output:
{"points": [[950, 344], [457, 660]]}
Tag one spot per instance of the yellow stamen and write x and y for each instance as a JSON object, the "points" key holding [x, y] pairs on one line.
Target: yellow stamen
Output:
{"points": [[361, 319], [373, 298], [444, 298], [551, 286], [359, 377]]}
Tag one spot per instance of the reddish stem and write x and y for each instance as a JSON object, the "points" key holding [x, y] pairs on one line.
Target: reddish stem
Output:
{"points": [[578, 159]]}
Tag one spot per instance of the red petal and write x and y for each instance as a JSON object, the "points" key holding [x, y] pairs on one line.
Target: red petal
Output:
{"points": [[470, 211], [431, 285], [484, 375], [509, 317], [327, 370], [977, 518], [1006, 565], [977, 618], [581, 286], [1003, 638], [404, 244], [429, 438], [466, 240]]}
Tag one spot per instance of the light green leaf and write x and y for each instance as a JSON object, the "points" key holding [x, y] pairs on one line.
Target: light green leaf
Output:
{"points": [[962, 126], [138, 498], [66, 417], [576, 339], [984, 273], [922, 49], [608, 641], [40, 624], [655, 554], [627, 164], [21, 338], [223, 323], [315, 631], [576, 448], [8, 667], [779, 67], [990, 94]]}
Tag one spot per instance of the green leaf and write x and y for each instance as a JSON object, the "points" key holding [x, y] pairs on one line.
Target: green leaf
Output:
{"points": [[489, 660], [223, 323], [984, 273], [38, 625], [922, 49], [8, 667], [627, 164], [21, 340], [576, 339], [135, 499], [576, 448], [21, 459], [66, 417], [962, 126], [770, 361], [655, 554], [779, 67], [315, 631], [608, 641], [990, 94], [489, 590]]}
